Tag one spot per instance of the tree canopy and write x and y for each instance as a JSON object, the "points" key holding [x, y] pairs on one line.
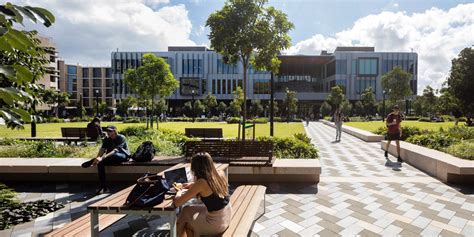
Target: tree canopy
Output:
{"points": [[396, 83], [336, 97], [461, 80], [22, 62], [251, 32]]}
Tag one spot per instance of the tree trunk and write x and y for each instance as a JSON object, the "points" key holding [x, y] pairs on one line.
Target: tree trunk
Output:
{"points": [[152, 111], [244, 111]]}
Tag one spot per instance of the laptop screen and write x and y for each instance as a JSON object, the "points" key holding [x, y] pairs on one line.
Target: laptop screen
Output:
{"points": [[176, 175]]}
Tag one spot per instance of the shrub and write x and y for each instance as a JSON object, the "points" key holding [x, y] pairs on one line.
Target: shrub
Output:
{"points": [[464, 150], [7, 141], [462, 119], [436, 141], [180, 119], [459, 132], [412, 118], [262, 120], [233, 120], [302, 137], [55, 120], [139, 131], [424, 119], [39, 149], [131, 120], [291, 148], [447, 118], [407, 131]]}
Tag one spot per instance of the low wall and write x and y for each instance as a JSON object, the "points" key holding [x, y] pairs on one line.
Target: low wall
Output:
{"points": [[443, 166], [70, 170], [359, 133]]}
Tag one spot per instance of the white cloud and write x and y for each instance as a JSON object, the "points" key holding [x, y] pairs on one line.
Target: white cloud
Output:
{"points": [[436, 35], [87, 31]]}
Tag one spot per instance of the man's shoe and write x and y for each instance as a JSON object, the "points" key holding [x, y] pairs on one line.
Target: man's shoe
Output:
{"points": [[399, 160], [87, 164], [386, 154], [102, 190]]}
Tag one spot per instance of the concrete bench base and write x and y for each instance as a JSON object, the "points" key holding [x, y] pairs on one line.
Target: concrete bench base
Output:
{"points": [[70, 170], [443, 166], [359, 133]]}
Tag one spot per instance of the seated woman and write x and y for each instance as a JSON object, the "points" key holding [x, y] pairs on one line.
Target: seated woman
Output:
{"points": [[212, 188]]}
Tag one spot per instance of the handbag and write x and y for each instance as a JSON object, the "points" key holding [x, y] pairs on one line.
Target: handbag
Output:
{"points": [[149, 191]]}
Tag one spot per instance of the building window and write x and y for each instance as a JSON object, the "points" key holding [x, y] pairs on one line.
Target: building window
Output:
{"points": [[188, 84], [240, 84], [203, 86], [85, 82], [223, 68], [341, 66], [214, 87], [218, 86], [229, 86], [108, 72], [85, 102], [234, 85], [224, 87], [362, 83], [85, 72], [71, 69], [261, 86], [368, 66], [108, 92], [85, 92], [331, 68], [52, 78], [97, 72], [97, 82]]}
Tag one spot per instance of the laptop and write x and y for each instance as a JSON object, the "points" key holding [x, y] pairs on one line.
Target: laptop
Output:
{"points": [[179, 175]]}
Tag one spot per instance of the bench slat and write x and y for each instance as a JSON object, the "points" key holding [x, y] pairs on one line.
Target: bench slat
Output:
{"points": [[81, 226], [240, 211], [247, 219]]}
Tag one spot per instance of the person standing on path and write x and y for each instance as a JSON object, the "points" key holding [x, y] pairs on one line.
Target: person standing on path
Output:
{"points": [[338, 119], [394, 132]]}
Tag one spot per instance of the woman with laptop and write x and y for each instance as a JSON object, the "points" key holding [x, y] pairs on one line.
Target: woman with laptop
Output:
{"points": [[212, 188]]}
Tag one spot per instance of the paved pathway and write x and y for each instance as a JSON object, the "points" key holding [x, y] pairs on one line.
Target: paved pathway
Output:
{"points": [[361, 193]]}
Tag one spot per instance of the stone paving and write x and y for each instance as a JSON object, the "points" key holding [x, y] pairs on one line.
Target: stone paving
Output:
{"points": [[360, 193]]}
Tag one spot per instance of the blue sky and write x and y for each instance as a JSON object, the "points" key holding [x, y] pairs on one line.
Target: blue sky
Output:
{"points": [[315, 16], [87, 31]]}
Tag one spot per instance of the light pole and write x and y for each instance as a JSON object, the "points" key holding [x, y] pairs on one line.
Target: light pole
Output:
{"points": [[271, 105], [97, 102], [383, 105], [192, 105]]}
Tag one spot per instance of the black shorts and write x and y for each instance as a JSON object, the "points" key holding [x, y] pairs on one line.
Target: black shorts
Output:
{"points": [[393, 137]]}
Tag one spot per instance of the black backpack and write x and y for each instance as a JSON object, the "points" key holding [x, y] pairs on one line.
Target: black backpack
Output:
{"points": [[145, 152]]}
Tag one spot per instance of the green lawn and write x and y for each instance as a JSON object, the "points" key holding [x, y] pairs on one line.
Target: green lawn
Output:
{"points": [[230, 130], [373, 125]]}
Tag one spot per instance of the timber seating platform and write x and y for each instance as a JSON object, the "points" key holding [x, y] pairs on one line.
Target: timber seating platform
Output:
{"points": [[248, 204], [234, 152]]}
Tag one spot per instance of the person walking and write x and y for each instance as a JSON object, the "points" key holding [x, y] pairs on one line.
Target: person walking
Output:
{"points": [[393, 122], [114, 150], [338, 119]]}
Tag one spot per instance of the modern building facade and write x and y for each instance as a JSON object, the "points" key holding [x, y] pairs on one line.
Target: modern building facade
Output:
{"points": [[49, 80], [87, 83], [203, 71]]}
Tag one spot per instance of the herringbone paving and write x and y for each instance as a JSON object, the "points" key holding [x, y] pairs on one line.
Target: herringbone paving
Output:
{"points": [[360, 193]]}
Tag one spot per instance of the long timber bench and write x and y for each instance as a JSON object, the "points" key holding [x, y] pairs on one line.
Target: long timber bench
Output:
{"points": [[248, 204]]}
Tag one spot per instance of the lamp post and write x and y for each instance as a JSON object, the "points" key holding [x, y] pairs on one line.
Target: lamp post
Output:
{"points": [[192, 105], [383, 105], [97, 102]]}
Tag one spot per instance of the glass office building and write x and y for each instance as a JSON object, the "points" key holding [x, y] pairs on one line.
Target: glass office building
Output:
{"points": [[203, 71]]}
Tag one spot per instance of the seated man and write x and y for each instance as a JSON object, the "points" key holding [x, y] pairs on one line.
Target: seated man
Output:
{"points": [[114, 150], [94, 130]]}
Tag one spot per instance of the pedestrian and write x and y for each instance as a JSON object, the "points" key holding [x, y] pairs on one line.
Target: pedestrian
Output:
{"points": [[338, 120], [94, 130], [307, 120], [114, 150], [394, 132]]}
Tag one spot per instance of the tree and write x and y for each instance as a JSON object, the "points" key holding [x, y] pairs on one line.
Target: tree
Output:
{"points": [[222, 108], [291, 104], [429, 100], [236, 104], [152, 80], [198, 108], [359, 108], [188, 109], [55, 98], [397, 84], [461, 80], [448, 103], [417, 105], [210, 101], [336, 96], [22, 62], [256, 108], [160, 107], [276, 110], [346, 107], [252, 33], [125, 104], [102, 108], [368, 101], [325, 108]]}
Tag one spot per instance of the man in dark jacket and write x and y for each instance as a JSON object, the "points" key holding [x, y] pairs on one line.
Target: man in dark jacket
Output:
{"points": [[114, 150], [394, 132]]}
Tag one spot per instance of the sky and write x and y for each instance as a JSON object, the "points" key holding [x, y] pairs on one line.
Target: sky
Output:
{"points": [[87, 31]]}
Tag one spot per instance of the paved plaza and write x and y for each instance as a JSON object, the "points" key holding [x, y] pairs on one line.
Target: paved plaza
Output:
{"points": [[360, 193]]}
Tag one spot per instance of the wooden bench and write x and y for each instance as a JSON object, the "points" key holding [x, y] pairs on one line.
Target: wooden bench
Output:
{"points": [[205, 133], [66, 140], [233, 152], [248, 204], [74, 132], [82, 225]]}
